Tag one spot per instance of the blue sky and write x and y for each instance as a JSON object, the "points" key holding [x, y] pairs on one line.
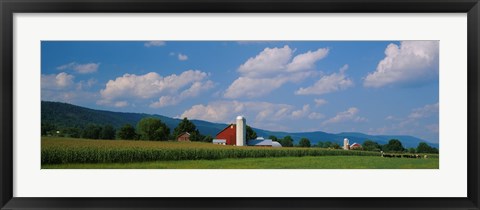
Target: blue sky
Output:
{"points": [[374, 87]]}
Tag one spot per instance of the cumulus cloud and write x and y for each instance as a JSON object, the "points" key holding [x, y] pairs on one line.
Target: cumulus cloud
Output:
{"points": [[272, 68], [182, 57], [57, 81], [412, 61], [297, 114], [193, 91], [349, 115], [80, 68], [259, 113], [151, 85], [154, 44], [316, 116], [423, 112], [319, 102], [328, 83]]}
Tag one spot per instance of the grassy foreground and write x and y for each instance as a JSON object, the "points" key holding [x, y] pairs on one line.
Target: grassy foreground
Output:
{"points": [[320, 162]]}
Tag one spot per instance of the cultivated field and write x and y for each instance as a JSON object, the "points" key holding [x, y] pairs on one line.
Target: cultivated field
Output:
{"points": [[83, 153]]}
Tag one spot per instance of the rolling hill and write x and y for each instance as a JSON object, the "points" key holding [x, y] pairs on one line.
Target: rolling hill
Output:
{"points": [[67, 115]]}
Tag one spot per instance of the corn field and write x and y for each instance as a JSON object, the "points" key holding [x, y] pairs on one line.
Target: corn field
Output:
{"points": [[66, 150]]}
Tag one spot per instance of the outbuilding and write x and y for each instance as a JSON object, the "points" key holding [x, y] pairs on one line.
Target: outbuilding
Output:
{"points": [[229, 134], [185, 136]]}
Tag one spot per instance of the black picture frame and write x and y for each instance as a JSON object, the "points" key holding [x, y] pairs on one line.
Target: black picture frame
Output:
{"points": [[10, 7]]}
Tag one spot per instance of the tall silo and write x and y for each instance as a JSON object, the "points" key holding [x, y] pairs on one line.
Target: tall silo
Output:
{"points": [[241, 131], [346, 144]]}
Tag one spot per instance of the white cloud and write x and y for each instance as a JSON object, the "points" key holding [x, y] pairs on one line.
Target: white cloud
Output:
{"points": [[154, 44], [297, 114], [57, 81], [412, 61], [151, 85], [257, 112], [272, 68], [329, 83], [316, 116], [270, 60], [86, 84], [80, 68], [320, 102], [193, 91], [307, 60], [423, 112], [120, 104], [349, 115], [182, 57]]}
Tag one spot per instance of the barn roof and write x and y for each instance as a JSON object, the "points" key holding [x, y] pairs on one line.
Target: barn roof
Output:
{"points": [[225, 128], [184, 133], [259, 142]]}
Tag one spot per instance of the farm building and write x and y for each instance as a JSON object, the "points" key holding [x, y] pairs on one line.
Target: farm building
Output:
{"points": [[228, 134], [346, 144], [261, 142], [355, 146], [236, 134], [219, 141], [185, 136]]}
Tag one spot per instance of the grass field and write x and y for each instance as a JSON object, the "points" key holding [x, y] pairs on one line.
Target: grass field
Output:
{"points": [[320, 162], [84, 153]]}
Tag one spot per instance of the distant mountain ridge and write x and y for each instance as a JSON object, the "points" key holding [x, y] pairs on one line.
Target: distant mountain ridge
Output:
{"points": [[68, 115]]}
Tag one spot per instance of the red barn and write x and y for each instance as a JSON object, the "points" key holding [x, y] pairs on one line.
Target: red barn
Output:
{"points": [[229, 134]]}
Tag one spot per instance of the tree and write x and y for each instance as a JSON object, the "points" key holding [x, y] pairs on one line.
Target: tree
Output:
{"points": [[425, 148], [287, 141], [273, 138], [127, 132], [320, 144], [91, 131], [327, 144], [394, 145], [48, 129], [207, 138], [411, 150], [152, 129], [251, 134], [187, 126], [335, 145], [304, 142], [108, 132], [370, 145], [72, 132]]}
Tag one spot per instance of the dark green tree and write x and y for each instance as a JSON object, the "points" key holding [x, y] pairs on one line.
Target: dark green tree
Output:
{"points": [[91, 131], [108, 132], [72, 132], [287, 141], [336, 146], [394, 145], [48, 129], [251, 134], [152, 129], [411, 150], [207, 138], [370, 145], [187, 126], [273, 138], [425, 148], [327, 144], [304, 142], [127, 132], [320, 144]]}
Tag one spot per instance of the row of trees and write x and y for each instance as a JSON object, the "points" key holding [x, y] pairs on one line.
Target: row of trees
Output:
{"points": [[146, 129], [394, 145]]}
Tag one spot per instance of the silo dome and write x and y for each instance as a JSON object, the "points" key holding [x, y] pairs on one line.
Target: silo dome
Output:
{"points": [[240, 117]]}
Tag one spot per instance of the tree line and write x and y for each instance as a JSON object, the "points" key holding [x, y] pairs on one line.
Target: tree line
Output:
{"points": [[151, 129], [393, 145]]}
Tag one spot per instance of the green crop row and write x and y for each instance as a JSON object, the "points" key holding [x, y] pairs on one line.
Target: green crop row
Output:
{"points": [[58, 151]]}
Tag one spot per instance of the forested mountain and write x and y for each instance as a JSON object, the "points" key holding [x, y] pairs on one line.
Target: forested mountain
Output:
{"points": [[63, 115]]}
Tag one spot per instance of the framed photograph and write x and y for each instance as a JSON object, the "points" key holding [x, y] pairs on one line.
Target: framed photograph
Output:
{"points": [[239, 105]]}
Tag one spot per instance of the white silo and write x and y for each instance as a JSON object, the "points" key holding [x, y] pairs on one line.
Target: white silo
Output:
{"points": [[241, 131], [346, 144]]}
